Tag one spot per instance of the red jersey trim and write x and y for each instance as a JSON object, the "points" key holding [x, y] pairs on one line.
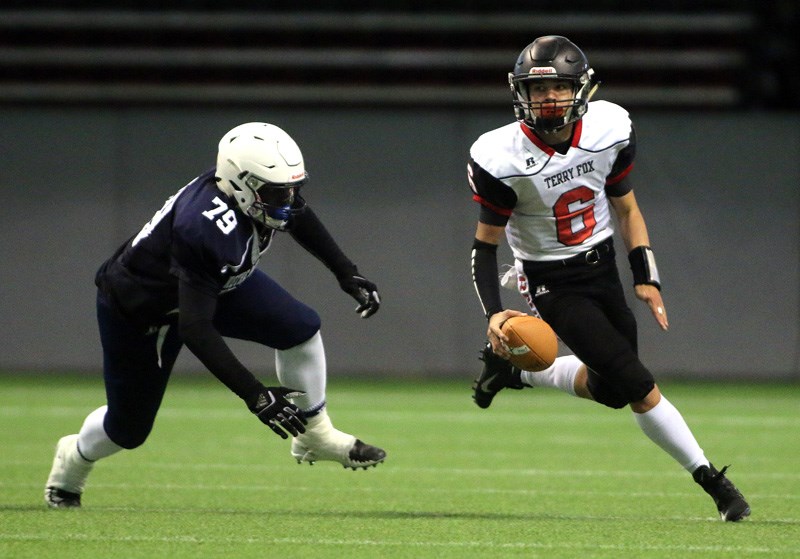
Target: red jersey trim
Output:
{"points": [[536, 140], [622, 175], [576, 133], [576, 137], [497, 209]]}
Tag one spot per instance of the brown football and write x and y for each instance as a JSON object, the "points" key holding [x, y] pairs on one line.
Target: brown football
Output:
{"points": [[532, 342]]}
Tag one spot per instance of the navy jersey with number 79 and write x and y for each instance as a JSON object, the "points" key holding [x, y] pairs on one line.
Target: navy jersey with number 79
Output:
{"points": [[200, 236]]}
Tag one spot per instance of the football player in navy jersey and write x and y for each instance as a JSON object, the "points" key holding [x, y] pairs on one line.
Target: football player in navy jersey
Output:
{"points": [[549, 184], [190, 277]]}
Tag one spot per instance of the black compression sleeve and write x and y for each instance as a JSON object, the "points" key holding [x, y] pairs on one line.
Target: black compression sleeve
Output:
{"points": [[485, 278], [312, 235], [196, 328]]}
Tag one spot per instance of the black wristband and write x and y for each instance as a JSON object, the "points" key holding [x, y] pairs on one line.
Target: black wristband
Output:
{"points": [[484, 277], [643, 266]]}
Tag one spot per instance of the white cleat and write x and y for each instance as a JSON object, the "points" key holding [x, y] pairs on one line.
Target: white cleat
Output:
{"points": [[67, 476], [322, 441]]}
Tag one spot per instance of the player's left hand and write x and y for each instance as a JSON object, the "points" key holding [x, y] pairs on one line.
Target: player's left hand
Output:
{"points": [[652, 296], [363, 291], [271, 406]]}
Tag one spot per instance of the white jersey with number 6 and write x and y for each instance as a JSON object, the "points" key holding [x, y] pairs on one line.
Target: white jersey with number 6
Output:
{"points": [[559, 206]]}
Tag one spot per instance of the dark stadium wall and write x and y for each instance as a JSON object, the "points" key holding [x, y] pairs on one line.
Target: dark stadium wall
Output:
{"points": [[719, 192]]}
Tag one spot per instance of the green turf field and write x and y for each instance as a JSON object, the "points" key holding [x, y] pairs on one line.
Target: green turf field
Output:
{"points": [[539, 474]]}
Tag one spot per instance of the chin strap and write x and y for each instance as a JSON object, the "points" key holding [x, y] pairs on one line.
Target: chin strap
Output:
{"points": [[592, 91]]}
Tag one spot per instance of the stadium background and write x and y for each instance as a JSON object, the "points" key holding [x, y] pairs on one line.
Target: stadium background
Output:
{"points": [[108, 108]]}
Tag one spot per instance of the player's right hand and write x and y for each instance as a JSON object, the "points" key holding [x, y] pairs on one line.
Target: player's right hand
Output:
{"points": [[364, 292], [651, 295], [271, 406], [494, 332]]}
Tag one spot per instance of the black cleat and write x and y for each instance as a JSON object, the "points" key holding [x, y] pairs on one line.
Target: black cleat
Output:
{"points": [[730, 502], [498, 373], [364, 455], [322, 441], [59, 499]]}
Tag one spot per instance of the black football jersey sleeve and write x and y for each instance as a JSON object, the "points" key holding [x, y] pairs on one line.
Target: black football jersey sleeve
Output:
{"points": [[615, 185], [496, 199]]}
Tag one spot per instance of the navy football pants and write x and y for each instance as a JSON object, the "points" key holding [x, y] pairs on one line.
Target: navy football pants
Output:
{"points": [[137, 363]]}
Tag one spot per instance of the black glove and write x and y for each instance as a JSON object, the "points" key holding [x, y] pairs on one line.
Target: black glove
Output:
{"points": [[278, 413], [363, 291]]}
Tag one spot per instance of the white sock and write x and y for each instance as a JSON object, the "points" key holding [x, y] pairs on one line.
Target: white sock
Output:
{"points": [[93, 442], [561, 374], [665, 426], [303, 367]]}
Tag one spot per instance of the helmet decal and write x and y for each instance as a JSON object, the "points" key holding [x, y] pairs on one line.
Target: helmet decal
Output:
{"points": [[543, 71]]}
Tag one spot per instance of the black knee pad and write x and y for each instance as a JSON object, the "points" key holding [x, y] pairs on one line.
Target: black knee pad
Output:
{"points": [[629, 383], [607, 396]]}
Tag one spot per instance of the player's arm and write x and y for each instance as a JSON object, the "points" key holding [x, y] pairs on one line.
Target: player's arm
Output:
{"points": [[496, 204], [633, 231], [307, 229], [196, 308], [630, 220], [487, 284]]}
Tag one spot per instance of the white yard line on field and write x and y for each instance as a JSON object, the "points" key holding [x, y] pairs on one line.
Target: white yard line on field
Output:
{"points": [[349, 543]]}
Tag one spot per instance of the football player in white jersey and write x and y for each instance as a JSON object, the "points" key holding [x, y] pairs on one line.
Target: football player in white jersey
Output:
{"points": [[549, 183], [190, 277]]}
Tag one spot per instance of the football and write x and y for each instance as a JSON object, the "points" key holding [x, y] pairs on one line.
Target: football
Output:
{"points": [[531, 341]]}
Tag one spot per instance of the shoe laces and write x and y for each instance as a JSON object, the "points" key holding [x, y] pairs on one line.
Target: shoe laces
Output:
{"points": [[723, 487]]}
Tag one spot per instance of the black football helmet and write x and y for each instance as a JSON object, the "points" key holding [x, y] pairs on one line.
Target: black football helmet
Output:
{"points": [[551, 57]]}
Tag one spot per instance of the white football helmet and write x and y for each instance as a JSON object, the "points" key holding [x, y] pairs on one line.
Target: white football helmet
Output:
{"points": [[261, 167]]}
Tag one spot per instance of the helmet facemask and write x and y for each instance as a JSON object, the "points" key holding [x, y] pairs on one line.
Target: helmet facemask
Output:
{"points": [[273, 204], [551, 115]]}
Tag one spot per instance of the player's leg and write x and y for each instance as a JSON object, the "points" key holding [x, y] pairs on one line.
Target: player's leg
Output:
{"points": [[604, 335], [260, 310], [566, 373], [617, 378], [664, 425], [135, 382], [304, 365]]}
